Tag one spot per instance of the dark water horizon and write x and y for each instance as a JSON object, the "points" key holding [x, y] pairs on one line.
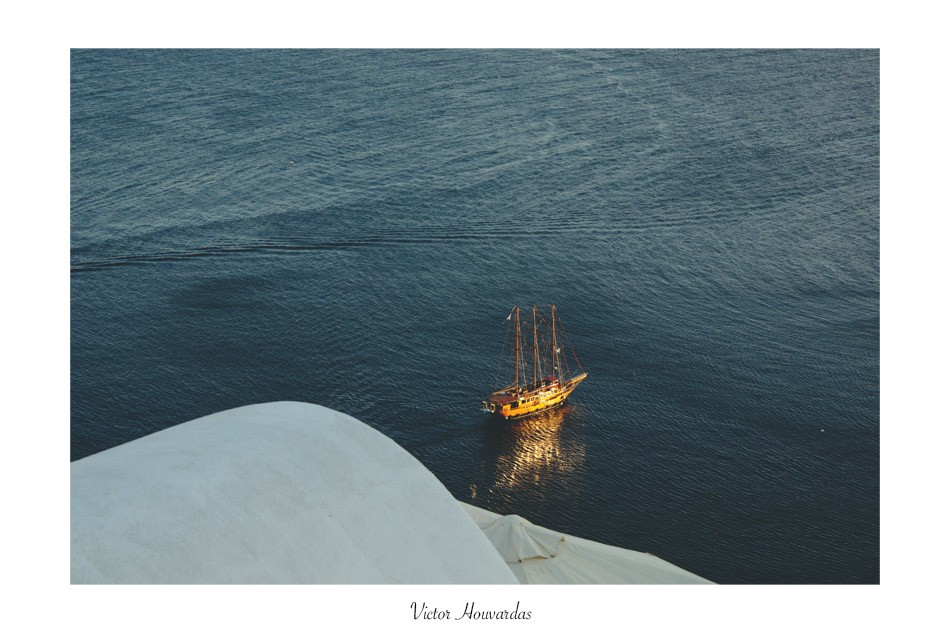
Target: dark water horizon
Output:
{"points": [[352, 227]]}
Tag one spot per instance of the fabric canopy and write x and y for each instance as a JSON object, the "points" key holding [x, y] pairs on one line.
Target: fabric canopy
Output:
{"points": [[537, 555]]}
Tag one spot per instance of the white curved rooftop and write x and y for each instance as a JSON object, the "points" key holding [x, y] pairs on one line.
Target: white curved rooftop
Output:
{"points": [[284, 492]]}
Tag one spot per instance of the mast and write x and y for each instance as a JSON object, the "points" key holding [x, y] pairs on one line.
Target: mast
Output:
{"points": [[554, 365], [534, 316], [517, 346]]}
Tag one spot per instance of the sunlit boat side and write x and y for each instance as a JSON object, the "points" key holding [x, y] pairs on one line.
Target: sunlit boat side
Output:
{"points": [[550, 385]]}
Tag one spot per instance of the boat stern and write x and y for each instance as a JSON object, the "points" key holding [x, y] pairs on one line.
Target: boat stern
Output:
{"points": [[499, 403]]}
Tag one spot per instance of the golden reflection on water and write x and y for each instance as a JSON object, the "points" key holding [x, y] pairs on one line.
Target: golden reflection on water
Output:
{"points": [[535, 449]]}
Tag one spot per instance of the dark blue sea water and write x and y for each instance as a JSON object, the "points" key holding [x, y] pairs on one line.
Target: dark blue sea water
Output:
{"points": [[352, 227]]}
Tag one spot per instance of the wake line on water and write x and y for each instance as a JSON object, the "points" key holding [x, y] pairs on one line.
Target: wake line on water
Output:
{"points": [[538, 227], [133, 260]]}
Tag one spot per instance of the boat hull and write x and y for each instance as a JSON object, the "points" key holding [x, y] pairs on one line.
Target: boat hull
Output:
{"points": [[508, 405], [519, 416]]}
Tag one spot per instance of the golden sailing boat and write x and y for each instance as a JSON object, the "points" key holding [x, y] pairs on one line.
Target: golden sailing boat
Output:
{"points": [[550, 384]]}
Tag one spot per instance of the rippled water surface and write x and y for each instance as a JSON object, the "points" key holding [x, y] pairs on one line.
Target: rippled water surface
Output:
{"points": [[352, 227]]}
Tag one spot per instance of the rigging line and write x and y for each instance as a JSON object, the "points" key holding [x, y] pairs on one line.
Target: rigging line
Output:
{"points": [[573, 353], [543, 344], [507, 350], [523, 365], [561, 354], [534, 356]]}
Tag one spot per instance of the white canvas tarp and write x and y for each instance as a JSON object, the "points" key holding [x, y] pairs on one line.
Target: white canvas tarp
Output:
{"points": [[537, 555]]}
